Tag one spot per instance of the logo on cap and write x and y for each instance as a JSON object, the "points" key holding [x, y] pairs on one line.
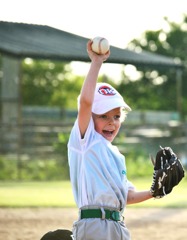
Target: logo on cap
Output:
{"points": [[107, 91]]}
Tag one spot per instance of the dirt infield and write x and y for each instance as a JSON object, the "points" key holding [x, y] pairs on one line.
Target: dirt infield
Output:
{"points": [[143, 223]]}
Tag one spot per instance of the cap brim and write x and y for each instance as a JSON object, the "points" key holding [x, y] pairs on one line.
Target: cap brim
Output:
{"points": [[108, 105]]}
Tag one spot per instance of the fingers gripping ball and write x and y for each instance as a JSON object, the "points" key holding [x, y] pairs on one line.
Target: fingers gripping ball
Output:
{"points": [[168, 172], [100, 45]]}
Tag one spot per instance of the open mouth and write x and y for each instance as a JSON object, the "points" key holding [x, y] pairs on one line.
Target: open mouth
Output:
{"points": [[108, 133]]}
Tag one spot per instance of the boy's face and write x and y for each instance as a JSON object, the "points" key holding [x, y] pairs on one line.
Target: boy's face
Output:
{"points": [[108, 124]]}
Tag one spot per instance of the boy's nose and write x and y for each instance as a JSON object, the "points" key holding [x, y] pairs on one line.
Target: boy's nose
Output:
{"points": [[111, 120]]}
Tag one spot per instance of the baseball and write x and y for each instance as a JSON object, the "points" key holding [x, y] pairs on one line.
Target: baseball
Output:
{"points": [[100, 45]]}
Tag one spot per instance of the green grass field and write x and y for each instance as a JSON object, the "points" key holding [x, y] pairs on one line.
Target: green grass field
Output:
{"points": [[59, 194]]}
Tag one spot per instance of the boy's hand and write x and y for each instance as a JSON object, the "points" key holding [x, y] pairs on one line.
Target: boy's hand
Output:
{"points": [[94, 56]]}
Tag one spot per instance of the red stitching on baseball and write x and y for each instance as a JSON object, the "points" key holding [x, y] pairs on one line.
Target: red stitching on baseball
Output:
{"points": [[100, 50]]}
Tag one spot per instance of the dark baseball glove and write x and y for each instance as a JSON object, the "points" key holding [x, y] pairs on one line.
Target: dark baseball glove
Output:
{"points": [[59, 234], [168, 172]]}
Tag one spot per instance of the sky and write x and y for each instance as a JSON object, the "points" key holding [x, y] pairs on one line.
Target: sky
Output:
{"points": [[119, 21]]}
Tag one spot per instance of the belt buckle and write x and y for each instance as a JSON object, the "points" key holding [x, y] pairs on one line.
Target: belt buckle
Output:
{"points": [[116, 216]]}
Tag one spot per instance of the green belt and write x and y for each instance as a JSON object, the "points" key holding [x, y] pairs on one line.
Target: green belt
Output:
{"points": [[97, 213]]}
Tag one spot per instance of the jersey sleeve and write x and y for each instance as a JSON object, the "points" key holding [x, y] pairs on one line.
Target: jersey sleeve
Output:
{"points": [[131, 186], [75, 139]]}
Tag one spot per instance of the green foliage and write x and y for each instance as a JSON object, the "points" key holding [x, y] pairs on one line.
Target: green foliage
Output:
{"points": [[144, 94], [8, 169], [61, 145], [51, 169], [49, 83], [138, 165], [33, 169], [137, 159], [156, 90]]}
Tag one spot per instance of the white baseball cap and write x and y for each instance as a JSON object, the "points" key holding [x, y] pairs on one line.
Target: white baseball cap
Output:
{"points": [[107, 98]]}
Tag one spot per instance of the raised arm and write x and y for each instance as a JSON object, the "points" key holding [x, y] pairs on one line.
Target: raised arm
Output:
{"points": [[88, 88]]}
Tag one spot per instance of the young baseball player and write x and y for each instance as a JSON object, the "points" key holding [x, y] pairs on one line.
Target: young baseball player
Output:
{"points": [[97, 168]]}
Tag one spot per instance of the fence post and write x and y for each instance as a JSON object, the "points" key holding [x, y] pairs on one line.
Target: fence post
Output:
{"points": [[11, 106]]}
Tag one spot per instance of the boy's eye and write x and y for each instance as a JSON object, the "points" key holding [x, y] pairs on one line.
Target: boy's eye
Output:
{"points": [[103, 116], [116, 116]]}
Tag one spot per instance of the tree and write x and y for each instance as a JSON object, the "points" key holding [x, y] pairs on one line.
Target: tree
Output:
{"points": [[156, 89], [49, 83]]}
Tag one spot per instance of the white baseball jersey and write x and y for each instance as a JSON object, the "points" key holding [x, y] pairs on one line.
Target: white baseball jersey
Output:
{"points": [[97, 170]]}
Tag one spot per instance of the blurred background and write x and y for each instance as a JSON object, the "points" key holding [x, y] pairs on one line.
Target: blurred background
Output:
{"points": [[33, 143]]}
